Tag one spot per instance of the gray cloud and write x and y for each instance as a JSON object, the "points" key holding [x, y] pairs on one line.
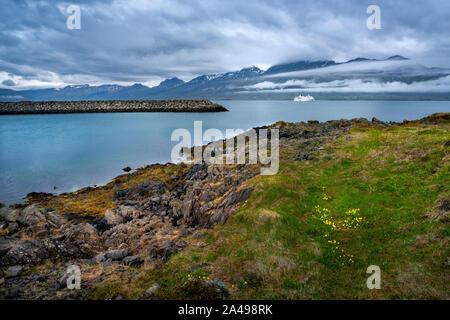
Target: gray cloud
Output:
{"points": [[125, 41], [8, 83]]}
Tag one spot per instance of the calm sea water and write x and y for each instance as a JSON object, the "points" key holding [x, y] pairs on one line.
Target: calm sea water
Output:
{"points": [[72, 151]]}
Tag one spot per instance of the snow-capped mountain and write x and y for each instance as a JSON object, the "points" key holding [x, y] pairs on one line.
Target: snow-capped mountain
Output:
{"points": [[359, 77]]}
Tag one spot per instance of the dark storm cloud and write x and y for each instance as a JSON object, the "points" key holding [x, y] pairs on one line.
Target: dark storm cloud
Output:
{"points": [[145, 41]]}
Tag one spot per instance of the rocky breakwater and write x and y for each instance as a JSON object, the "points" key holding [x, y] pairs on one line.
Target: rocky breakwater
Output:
{"points": [[36, 107]]}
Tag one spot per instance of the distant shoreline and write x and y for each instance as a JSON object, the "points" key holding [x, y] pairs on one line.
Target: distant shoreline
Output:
{"points": [[108, 106]]}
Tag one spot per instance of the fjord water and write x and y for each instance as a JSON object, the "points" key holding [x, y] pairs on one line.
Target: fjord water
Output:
{"points": [[71, 151]]}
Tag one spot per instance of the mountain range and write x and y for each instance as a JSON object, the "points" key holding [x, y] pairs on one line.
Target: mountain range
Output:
{"points": [[361, 77]]}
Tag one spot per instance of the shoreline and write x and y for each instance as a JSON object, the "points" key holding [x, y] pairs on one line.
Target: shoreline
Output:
{"points": [[160, 220], [108, 106]]}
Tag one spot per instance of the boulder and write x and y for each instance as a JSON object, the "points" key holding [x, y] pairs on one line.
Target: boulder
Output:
{"points": [[22, 252], [77, 241], [133, 261], [13, 272], [99, 258], [221, 288], [152, 289], [113, 218], [55, 218], [32, 215], [116, 254], [225, 208], [196, 172], [8, 214], [13, 227]]}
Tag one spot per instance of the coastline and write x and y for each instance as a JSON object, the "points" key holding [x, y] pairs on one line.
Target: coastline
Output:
{"points": [[45, 107], [167, 221]]}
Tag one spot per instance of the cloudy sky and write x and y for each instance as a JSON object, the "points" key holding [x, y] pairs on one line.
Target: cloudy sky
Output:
{"points": [[128, 41]]}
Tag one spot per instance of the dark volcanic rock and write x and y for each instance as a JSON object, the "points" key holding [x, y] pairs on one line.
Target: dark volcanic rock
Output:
{"points": [[116, 254], [142, 190], [445, 205], [197, 171], [225, 208], [303, 156], [133, 261]]}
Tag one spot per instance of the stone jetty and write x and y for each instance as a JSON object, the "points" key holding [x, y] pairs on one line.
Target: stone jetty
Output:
{"points": [[35, 107]]}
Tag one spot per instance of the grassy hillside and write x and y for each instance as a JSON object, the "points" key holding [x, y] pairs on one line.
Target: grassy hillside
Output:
{"points": [[371, 197]]}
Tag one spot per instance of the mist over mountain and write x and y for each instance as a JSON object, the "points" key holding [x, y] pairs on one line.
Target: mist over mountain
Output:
{"points": [[361, 77]]}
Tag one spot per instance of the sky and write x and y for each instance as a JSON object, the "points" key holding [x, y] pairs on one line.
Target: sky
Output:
{"points": [[147, 41]]}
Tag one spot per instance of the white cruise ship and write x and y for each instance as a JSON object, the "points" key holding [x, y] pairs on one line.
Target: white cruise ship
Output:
{"points": [[301, 98]]}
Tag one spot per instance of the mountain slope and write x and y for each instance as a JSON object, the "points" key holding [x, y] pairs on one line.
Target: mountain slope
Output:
{"points": [[361, 77]]}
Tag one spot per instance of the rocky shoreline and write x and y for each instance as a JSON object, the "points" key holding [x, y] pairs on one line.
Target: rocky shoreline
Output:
{"points": [[141, 220], [37, 107]]}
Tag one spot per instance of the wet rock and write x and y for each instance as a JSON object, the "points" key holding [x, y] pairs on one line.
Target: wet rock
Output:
{"points": [[116, 254], [13, 272]]}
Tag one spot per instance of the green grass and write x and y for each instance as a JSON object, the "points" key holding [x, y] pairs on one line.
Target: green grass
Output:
{"points": [[274, 246]]}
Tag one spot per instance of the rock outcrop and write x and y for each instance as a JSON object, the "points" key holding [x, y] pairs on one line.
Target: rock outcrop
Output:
{"points": [[149, 220]]}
